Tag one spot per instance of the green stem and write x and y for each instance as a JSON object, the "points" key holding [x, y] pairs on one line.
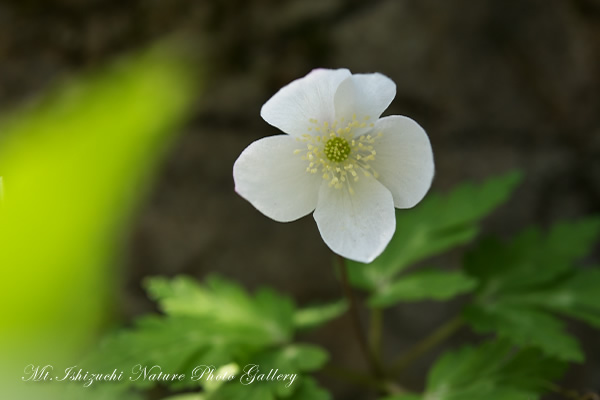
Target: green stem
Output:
{"points": [[355, 316], [428, 343], [375, 333]]}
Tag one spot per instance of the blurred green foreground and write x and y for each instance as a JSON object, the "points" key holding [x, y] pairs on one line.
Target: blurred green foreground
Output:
{"points": [[73, 166]]}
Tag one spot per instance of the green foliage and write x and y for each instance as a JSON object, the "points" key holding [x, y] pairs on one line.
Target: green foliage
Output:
{"points": [[526, 327], [404, 397], [422, 285], [187, 396], [311, 317], [524, 280], [437, 224], [217, 324], [493, 370], [266, 317], [293, 359], [520, 287], [73, 166], [309, 389], [532, 258], [577, 296]]}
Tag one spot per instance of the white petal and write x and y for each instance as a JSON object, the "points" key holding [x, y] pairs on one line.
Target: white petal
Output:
{"points": [[364, 95], [404, 159], [310, 97], [270, 176], [356, 226]]}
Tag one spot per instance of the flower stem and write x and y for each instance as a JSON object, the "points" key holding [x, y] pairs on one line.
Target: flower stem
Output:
{"points": [[375, 333], [361, 379], [428, 343], [374, 365]]}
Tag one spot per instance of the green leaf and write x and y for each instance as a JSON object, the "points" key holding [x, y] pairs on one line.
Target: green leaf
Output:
{"points": [[309, 389], [576, 295], [532, 258], [220, 375], [462, 367], [186, 396], [314, 316], [437, 224], [209, 324], [302, 389], [258, 376], [219, 324], [74, 165], [524, 280], [292, 358], [236, 391], [267, 315], [403, 397], [424, 285], [493, 370], [171, 343], [527, 328], [530, 370]]}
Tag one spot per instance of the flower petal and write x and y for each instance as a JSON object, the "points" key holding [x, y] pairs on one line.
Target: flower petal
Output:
{"points": [[274, 180], [364, 95], [310, 97], [404, 159], [356, 226]]}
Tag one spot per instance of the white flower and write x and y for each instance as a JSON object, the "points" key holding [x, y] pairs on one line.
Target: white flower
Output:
{"points": [[338, 159]]}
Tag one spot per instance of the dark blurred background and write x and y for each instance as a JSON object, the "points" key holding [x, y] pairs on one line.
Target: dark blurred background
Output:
{"points": [[497, 84]]}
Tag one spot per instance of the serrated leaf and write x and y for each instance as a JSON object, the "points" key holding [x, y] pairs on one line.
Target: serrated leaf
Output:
{"points": [[426, 284], [267, 315], [576, 296], [437, 224], [493, 370], [195, 332], [526, 328], [314, 316], [460, 367], [525, 279], [532, 258], [529, 369], [169, 343]]}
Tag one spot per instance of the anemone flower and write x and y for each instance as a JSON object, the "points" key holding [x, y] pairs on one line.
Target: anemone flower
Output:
{"points": [[339, 159]]}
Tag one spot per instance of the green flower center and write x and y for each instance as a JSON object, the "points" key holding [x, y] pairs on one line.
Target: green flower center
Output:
{"points": [[337, 149], [338, 153]]}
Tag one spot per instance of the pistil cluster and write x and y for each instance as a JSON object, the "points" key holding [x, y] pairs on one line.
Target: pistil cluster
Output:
{"points": [[338, 153]]}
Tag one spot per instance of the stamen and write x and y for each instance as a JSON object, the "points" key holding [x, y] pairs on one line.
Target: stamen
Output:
{"points": [[337, 154]]}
